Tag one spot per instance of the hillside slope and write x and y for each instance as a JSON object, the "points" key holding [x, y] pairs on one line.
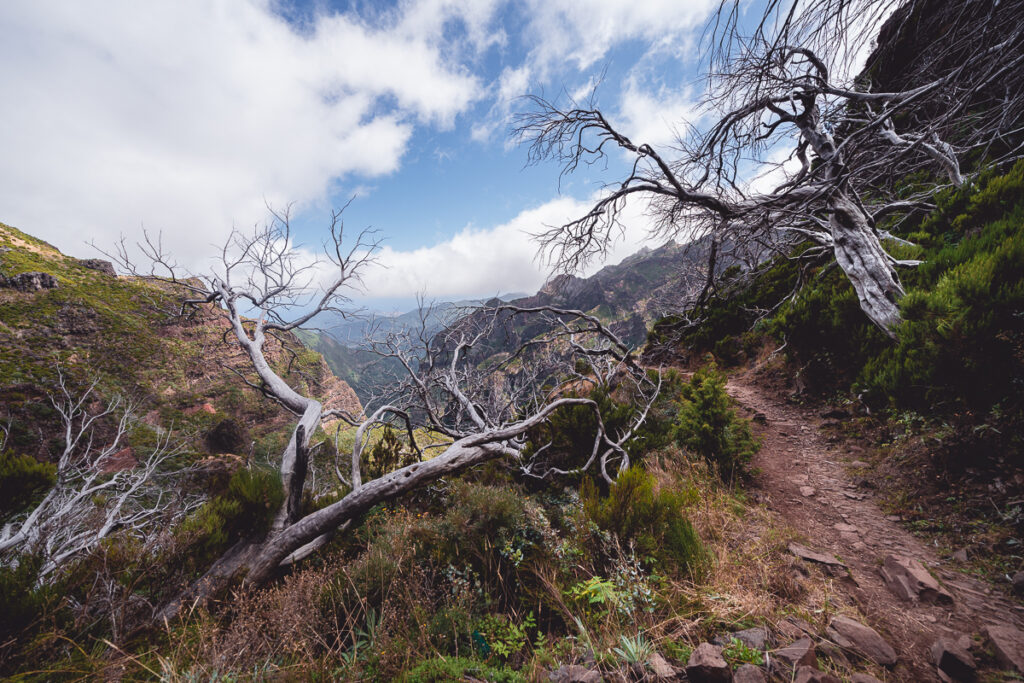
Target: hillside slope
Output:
{"points": [[100, 327]]}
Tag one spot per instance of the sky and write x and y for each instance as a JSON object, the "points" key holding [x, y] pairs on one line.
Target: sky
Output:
{"points": [[190, 117]]}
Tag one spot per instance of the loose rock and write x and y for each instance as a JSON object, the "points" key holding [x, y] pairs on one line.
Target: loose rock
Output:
{"points": [[864, 678], [1018, 583], [663, 671], [754, 638], [808, 674], [806, 553], [864, 640], [807, 491], [574, 673], [748, 673], [800, 653], [1008, 643], [707, 666], [909, 580], [953, 659]]}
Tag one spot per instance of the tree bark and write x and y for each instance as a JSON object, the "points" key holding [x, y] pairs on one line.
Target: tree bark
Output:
{"points": [[865, 263]]}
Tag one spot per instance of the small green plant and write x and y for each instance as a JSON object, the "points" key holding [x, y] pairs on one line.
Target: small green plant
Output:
{"points": [[634, 650], [448, 669], [677, 650], [504, 637], [738, 652], [595, 591]]}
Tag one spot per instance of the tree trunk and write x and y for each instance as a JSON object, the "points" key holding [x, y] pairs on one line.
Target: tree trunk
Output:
{"points": [[254, 562], [861, 256]]}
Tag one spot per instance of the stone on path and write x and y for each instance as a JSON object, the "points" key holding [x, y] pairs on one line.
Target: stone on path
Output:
{"points": [[800, 653], [806, 553], [864, 640], [748, 673], [1018, 583], [707, 666], [952, 658], [1008, 643], [845, 528], [909, 580], [807, 491], [808, 674]]}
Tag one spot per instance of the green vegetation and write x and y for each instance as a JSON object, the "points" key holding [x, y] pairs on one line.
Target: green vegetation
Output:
{"points": [[707, 424], [245, 509], [652, 522], [23, 480]]}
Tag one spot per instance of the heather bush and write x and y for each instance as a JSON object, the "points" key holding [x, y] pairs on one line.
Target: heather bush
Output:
{"points": [[707, 424], [651, 521]]}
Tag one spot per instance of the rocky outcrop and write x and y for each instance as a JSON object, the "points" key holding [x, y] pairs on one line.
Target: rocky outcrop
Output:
{"points": [[29, 282], [105, 267]]}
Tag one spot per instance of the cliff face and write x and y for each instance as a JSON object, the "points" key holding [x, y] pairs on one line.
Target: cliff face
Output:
{"points": [[58, 311]]}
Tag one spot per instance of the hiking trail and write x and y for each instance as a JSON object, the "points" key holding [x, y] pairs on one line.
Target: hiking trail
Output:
{"points": [[809, 479]]}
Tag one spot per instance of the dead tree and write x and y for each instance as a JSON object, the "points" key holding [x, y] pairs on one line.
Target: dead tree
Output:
{"points": [[453, 413], [94, 494], [785, 89]]}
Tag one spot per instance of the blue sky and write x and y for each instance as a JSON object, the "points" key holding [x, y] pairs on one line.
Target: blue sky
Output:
{"points": [[186, 116]]}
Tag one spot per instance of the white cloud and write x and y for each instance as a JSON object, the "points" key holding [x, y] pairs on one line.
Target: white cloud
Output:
{"points": [[655, 116], [584, 32], [484, 262], [187, 115]]}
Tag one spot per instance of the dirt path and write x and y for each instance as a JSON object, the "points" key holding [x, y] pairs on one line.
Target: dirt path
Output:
{"points": [[842, 518]]}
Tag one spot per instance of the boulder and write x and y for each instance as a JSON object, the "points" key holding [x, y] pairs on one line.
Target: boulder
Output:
{"points": [[29, 282], [800, 653], [909, 580], [854, 636], [707, 666], [808, 674], [574, 673], [105, 267], [748, 673], [1008, 644], [1018, 583], [953, 659]]}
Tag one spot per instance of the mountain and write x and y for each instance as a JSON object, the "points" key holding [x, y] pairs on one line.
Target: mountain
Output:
{"points": [[79, 316]]}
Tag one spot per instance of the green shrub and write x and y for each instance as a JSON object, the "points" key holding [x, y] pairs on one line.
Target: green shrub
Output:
{"points": [[652, 521], [387, 455], [707, 424], [961, 343], [454, 669], [22, 602], [23, 480], [246, 508]]}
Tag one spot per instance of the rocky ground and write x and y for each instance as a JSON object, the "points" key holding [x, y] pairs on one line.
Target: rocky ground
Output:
{"points": [[923, 608]]}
